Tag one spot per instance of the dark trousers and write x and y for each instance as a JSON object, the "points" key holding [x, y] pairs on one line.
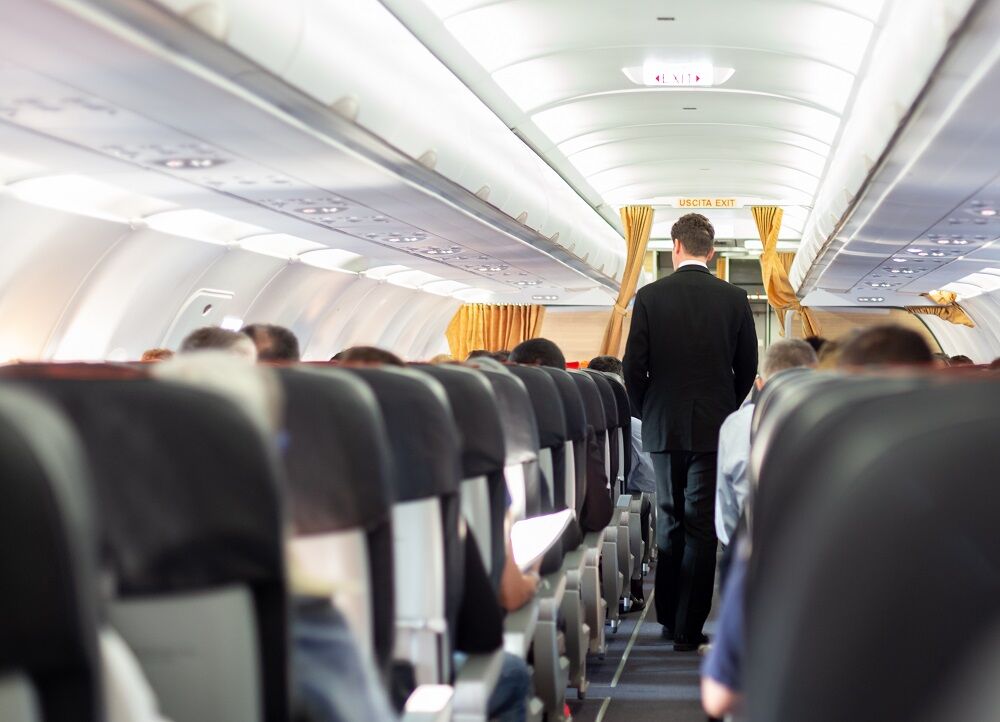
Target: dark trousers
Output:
{"points": [[685, 535]]}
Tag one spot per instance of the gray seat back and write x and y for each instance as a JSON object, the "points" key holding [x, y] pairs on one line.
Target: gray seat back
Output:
{"points": [[49, 667]]}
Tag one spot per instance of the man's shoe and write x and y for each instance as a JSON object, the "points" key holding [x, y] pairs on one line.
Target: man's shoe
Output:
{"points": [[638, 604], [667, 634], [682, 644]]}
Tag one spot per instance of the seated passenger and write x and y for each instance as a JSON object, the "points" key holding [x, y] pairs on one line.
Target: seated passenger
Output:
{"points": [[219, 339], [501, 356], [478, 353], [732, 485], [721, 672], [829, 355], [442, 358], [597, 505], [887, 345], [961, 360], [331, 679], [817, 343], [367, 356], [274, 343], [156, 354], [640, 479]]}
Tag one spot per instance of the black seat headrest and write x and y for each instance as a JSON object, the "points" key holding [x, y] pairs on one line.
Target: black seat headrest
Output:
{"points": [[190, 498], [593, 403], [422, 434], [337, 456], [607, 397], [517, 415], [474, 406], [576, 416], [48, 610], [892, 557], [547, 403]]}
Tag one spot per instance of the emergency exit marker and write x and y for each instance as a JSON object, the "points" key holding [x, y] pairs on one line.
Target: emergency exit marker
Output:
{"points": [[678, 75]]}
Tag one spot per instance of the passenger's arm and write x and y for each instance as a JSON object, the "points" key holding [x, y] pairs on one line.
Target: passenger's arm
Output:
{"points": [[717, 699], [516, 587], [636, 358], [745, 359]]}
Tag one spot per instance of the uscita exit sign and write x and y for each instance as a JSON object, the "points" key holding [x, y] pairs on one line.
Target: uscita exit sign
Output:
{"points": [[687, 75]]}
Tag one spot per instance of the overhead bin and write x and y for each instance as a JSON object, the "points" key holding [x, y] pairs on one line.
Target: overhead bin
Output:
{"points": [[409, 99]]}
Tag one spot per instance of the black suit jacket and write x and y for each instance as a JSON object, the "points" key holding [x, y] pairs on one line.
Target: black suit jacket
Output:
{"points": [[690, 360]]}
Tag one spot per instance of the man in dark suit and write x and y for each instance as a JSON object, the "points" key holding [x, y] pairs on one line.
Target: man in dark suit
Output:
{"points": [[690, 360]]}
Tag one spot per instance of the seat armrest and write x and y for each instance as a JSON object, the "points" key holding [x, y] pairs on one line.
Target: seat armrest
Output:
{"points": [[475, 682], [519, 629], [550, 595], [429, 703]]}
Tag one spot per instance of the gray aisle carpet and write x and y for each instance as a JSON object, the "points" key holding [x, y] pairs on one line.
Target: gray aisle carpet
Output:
{"points": [[654, 683]]}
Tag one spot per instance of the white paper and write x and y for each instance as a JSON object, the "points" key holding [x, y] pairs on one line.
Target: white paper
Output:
{"points": [[531, 538]]}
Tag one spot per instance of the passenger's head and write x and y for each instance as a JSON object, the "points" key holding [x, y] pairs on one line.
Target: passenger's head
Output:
{"points": [[442, 358], [694, 238], [479, 353], [961, 360], [787, 354], [538, 352], [368, 356], [213, 338], [829, 355], [274, 343], [816, 342], [608, 364], [156, 354], [253, 388], [888, 345], [501, 356]]}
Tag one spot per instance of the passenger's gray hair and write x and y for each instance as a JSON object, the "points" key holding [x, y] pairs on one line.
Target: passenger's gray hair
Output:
{"points": [[787, 354]]}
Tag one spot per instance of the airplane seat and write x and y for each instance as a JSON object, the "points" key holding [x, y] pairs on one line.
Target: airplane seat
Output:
{"points": [[49, 665], [483, 493], [474, 406], [191, 528], [428, 536], [619, 525], [73, 370], [570, 490], [546, 405], [800, 409], [563, 565], [339, 499], [626, 501], [892, 563], [601, 554], [773, 390], [521, 438]]}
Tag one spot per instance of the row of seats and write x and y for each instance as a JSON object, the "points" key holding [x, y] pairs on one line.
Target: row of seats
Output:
{"points": [[875, 569], [164, 512]]}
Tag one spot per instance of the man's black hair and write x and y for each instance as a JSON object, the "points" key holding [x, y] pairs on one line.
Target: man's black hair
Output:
{"points": [[609, 364], [274, 343], [886, 345], [538, 351]]}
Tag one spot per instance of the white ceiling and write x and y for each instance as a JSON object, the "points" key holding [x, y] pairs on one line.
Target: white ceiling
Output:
{"points": [[766, 133]]}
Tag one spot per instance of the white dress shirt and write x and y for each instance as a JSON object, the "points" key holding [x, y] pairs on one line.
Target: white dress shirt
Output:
{"points": [[732, 484], [703, 264]]}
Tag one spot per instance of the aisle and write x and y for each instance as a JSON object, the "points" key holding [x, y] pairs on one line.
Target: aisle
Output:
{"points": [[653, 682]]}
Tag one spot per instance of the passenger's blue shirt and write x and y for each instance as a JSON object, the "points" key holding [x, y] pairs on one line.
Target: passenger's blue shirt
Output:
{"points": [[724, 662], [732, 484], [641, 477]]}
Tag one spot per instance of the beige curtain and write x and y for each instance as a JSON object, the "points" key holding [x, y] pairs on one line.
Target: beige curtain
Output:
{"points": [[494, 328], [722, 268], [952, 313], [637, 221], [774, 267]]}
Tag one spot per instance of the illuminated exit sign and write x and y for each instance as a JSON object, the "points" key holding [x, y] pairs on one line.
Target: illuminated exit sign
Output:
{"points": [[708, 203], [678, 75]]}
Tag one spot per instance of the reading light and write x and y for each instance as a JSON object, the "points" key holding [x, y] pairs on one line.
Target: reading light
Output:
{"points": [[987, 212], [190, 163]]}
